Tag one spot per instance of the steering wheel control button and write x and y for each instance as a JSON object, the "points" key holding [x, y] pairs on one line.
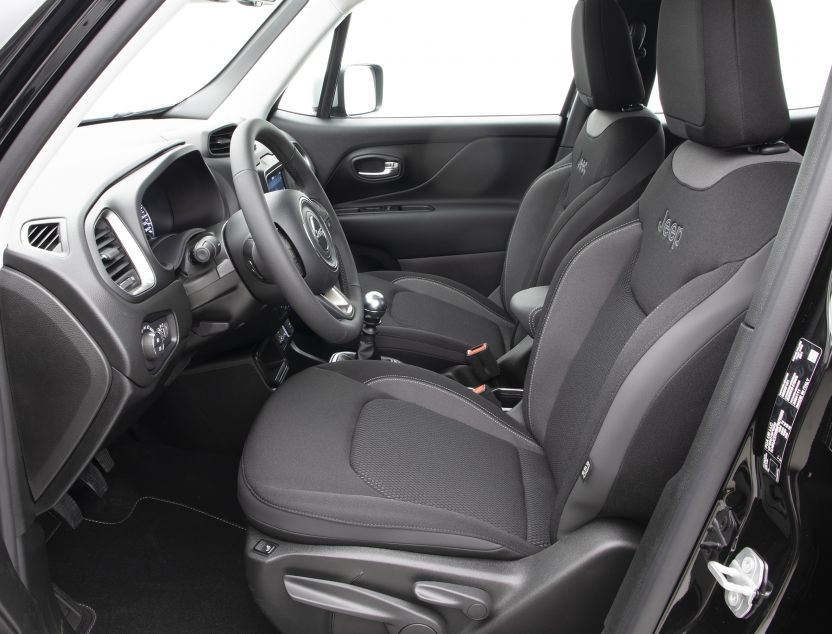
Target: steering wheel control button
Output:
{"points": [[265, 548]]}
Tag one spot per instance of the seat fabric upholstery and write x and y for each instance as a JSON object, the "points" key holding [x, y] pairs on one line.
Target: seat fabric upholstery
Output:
{"points": [[617, 150], [370, 453], [637, 324]]}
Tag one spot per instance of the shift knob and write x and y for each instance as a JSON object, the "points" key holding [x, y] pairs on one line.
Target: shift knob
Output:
{"points": [[374, 308]]}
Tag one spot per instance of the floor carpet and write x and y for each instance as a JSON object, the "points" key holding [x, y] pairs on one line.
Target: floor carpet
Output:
{"points": [[162, 551]]}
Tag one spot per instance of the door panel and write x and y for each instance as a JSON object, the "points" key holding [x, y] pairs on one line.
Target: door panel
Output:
{"points": [[449, 203], [485, 168], [463, 240]]}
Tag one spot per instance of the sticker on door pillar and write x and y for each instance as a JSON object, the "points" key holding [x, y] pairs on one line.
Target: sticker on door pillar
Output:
{"points": [[787, 404]]}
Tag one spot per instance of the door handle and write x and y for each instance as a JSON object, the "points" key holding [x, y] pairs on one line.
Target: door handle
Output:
{"points": [[377, 167], [391, 169]]}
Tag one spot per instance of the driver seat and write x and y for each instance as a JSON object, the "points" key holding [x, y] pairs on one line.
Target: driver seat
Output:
{"points": [[431, 321], [634, 334]]}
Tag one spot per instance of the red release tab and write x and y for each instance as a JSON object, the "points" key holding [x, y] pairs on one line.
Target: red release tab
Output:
{"points": [[480, 389], [476, 350]]}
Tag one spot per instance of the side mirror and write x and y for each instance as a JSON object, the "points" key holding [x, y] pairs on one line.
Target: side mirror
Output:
{"points": [[360, 90]]}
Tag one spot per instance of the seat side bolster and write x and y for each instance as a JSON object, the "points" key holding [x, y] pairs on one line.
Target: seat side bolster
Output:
{"points": [[583, 285], [652, 370], [439, 394], [613, 194], [532, 217], [461, 407]]}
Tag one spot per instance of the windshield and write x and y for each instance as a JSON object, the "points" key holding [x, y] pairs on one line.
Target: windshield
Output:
{"points": [[182, 57]]}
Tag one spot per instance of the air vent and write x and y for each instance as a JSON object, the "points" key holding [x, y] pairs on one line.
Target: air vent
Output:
{"points": [[45, 235], [219, 141], [121, 255]]}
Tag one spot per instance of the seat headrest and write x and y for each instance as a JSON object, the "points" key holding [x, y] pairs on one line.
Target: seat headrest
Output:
{"points": [[719, 72], [606, 72]]}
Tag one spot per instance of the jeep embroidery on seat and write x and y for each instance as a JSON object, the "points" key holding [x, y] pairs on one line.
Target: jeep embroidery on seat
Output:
{"points": [[670, 230]]}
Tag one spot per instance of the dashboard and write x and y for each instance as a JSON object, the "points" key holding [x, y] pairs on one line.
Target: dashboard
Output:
{"points": [[116, 276], [185, 195]]}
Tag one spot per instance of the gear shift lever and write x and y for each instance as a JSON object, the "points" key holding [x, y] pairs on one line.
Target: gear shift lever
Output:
{"points": [[374, 309]]}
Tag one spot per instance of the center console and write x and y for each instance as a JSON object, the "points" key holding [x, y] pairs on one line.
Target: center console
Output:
{"points": [[272, 356], [508, 397]]}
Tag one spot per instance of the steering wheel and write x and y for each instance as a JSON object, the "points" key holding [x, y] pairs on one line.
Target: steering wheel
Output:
{"points": [[300, 243]]}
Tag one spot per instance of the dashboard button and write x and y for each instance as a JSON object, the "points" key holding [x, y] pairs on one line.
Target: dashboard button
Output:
{"points": [[153, 342]]}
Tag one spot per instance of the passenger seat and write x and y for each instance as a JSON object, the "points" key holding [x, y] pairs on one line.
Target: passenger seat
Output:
{"points": [[431, 321]]}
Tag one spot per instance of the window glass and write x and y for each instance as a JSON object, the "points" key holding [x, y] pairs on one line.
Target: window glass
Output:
{"points": [[462, 58], [805, 53], [304, 91], [182, 57]]}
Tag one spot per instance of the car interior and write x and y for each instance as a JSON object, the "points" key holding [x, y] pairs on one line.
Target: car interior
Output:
{"points": [[342, 374]]}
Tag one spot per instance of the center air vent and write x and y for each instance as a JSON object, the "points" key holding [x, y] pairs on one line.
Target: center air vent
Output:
{"points": [[47, 235], [121, 256], [219, 141]]}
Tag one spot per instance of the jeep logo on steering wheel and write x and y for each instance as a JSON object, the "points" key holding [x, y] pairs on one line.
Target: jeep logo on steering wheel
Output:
{"points": [[318, 233], [319, 236]]}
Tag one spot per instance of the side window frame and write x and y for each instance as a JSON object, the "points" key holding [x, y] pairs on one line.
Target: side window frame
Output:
{"points": [[327, 105]]}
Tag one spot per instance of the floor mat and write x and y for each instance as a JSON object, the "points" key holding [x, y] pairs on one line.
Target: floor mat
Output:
{"points": [[163, 550]]}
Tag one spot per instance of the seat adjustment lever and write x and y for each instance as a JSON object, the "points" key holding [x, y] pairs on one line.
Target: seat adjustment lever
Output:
{"points": [[473, 602], [400, 617]]}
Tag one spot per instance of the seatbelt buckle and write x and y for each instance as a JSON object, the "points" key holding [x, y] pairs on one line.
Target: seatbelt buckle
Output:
{"points": [[482, 362], [486, 392]]}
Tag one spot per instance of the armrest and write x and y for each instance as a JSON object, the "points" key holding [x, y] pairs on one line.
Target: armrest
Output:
{"points": [[527, 305]]}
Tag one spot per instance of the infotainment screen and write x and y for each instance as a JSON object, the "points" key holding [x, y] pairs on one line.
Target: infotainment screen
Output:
{"points": [[274, 180]]}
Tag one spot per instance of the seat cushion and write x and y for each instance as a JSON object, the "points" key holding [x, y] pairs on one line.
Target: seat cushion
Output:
{"points": [[431, 321], [387, 455]]}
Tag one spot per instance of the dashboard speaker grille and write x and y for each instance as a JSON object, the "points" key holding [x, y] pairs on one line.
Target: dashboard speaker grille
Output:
{"points": [[114, 257], [45, 236]]}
